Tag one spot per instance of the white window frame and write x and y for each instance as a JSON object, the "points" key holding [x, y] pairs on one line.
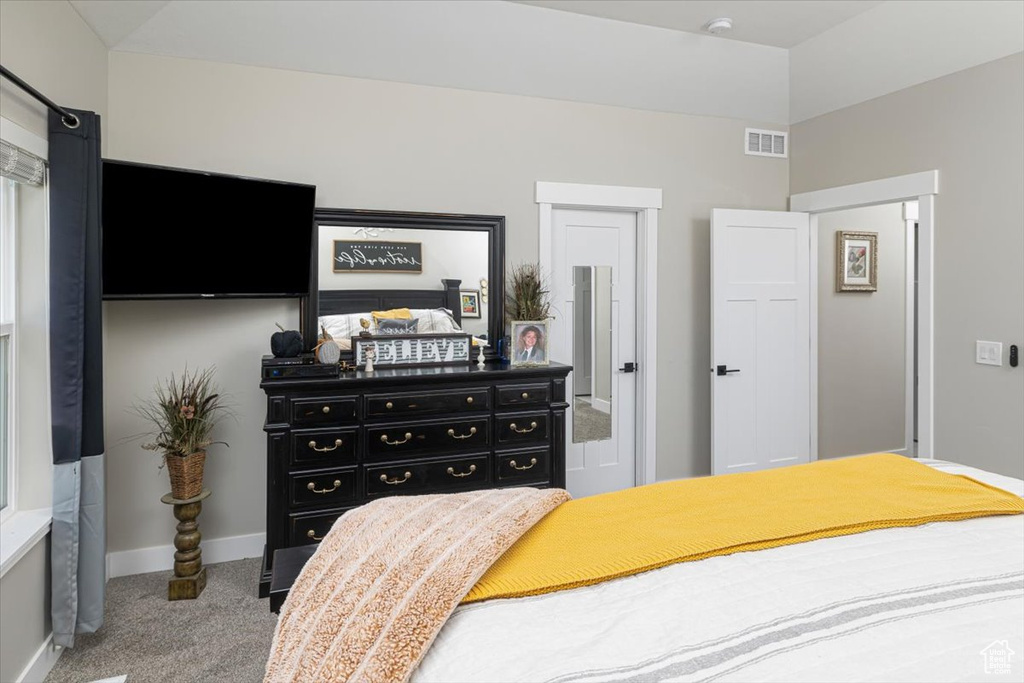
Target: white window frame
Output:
{"points": [[8, 316], [20, 528]]}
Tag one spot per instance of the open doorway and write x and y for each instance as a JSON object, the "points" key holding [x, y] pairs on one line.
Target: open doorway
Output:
{"points": [[866, 324]]}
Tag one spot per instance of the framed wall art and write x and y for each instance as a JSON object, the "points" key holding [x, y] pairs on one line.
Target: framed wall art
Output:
{"points": [[470, 299], [856, 261]]}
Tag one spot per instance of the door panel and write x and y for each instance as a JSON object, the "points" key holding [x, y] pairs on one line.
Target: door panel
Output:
{"points": [[601, 450], [760, 369]]}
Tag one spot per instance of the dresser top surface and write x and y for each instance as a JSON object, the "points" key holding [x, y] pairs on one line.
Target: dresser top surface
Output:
{"points": [[440, 373]]}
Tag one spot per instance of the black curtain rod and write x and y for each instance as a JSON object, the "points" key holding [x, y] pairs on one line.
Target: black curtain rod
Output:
{"points": [[69, 119]]}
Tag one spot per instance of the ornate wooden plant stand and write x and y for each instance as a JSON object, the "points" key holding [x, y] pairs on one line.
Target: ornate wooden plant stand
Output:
{"points": [[189, 573]]}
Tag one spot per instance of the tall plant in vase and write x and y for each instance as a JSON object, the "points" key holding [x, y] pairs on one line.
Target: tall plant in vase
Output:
{"points": [[182, 414]]}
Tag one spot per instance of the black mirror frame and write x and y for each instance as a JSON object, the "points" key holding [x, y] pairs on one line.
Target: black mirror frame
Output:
{"points": [[493, 225]]}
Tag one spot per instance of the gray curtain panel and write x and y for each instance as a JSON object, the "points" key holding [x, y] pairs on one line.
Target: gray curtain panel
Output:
{"points": [[78, 538]]}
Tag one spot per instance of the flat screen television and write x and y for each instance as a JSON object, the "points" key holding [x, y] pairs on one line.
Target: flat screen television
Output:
{"points": [[171, 233]]}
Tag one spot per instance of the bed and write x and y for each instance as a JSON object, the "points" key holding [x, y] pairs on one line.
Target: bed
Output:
{"points": [[435, 310], [938, 602]]}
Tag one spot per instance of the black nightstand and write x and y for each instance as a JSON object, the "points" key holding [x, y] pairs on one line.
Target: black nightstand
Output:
{"points": [[288, 562]]}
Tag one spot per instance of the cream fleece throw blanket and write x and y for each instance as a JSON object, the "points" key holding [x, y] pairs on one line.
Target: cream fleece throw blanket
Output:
{"points": [[387, 576]]}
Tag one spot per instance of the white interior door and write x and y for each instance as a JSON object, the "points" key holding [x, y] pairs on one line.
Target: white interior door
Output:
{"points": [[760, 339], [601, 448]]}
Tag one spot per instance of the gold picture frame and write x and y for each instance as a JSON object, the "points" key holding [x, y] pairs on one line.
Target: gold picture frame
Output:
{"points": [[856, 261]]}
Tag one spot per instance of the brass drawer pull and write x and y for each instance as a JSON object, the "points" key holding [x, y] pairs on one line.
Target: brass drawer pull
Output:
{"points": [[512, 463], [533, 425], [396, 481], [312, 534], [325, 449], [525, 395], [326, 409], [451, 433], [389, 405], [451, 471], [469, 399], [384, 439], [312, 487]]}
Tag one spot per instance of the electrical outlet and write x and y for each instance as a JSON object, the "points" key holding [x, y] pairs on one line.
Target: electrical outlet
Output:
{"points": [[988, 353]]}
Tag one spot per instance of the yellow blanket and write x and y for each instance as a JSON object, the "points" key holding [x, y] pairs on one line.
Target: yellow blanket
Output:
{"points": [[595, 539]]}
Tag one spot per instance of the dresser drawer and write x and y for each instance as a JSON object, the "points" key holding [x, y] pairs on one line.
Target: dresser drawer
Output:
{"points": [[323, 447], [467, 472], [428, 438], [524, 466], [311, 527], [524, 395], [319, 411], [428, 402], [523, 428], [323, 487]]}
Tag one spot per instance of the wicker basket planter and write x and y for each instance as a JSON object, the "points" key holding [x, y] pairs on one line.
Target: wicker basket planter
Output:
{"points": [[186, 472]]}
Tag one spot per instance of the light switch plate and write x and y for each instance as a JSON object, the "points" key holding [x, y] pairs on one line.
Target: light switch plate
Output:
{"points": [[988, 353]]}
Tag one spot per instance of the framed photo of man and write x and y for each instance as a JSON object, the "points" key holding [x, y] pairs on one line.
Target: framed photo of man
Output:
{"points": [[529, 343]]}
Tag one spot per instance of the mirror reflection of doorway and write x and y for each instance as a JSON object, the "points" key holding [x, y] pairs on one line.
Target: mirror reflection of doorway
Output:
{"points": [[592, 358]]}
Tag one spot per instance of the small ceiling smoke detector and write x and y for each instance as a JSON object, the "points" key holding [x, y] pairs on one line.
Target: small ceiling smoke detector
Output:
{"points": [[717, 26]]}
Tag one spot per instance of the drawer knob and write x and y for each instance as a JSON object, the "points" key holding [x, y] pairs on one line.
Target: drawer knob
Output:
{"points": [[312, 487], [513, 465], [451, 471], [524, 430], [326, 409], [525, 395], [396, 481], [451, 433], [389, 405], [396, 442], [312, 534], [325, 449], [469, 399]]}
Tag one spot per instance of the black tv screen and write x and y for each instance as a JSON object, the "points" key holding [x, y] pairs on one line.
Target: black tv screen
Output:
{"points": [[171, 233]]}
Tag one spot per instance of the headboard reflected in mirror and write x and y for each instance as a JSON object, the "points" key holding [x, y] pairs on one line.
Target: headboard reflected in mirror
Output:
{"points": [[448, 270]]}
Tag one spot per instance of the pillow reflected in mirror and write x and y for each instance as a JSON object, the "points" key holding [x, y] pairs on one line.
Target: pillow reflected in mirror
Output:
{"points": [[386, 326]]}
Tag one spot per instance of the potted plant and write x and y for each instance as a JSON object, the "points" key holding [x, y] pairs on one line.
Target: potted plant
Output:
{"points": [[182, 414], [527, 312]]}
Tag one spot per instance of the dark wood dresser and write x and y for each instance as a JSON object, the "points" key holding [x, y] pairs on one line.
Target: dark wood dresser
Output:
{"points": [[335, 443]]}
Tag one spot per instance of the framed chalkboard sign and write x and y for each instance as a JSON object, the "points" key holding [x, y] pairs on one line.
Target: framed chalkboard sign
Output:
{"points": [[362, 256]]}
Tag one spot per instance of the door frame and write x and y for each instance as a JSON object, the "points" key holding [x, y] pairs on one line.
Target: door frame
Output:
{"points": [[645, 202], [922, 188]]}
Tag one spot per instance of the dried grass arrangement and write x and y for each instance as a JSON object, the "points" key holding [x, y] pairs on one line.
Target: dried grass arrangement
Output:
{"points": [[182, 414], [526, 296]]}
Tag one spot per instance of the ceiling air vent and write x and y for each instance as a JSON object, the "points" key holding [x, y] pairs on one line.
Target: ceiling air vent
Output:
{"points": [[767, 143]]}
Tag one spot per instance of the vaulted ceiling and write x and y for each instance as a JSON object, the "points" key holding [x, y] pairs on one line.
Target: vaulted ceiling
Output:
{"points": [[784, 61]]}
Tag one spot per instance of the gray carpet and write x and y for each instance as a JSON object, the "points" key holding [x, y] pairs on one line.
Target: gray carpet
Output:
{"points": [[224, 635], [589, 424]]}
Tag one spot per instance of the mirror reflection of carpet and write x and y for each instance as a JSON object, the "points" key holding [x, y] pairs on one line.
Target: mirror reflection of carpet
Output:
{"points": [[589, 424]]}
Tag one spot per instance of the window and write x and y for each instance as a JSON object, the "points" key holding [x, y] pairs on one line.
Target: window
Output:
{"points": [[7, 341]]}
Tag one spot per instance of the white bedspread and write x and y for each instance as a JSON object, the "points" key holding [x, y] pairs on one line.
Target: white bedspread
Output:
{"points": [[910, 604]]}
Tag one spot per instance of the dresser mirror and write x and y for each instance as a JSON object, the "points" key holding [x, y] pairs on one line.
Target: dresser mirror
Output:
{"points": [[592, 354], [407, 273]]}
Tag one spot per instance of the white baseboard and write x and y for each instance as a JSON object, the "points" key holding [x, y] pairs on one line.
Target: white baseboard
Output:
{"points": [[42, 661], [602, 405], [161, 558]]}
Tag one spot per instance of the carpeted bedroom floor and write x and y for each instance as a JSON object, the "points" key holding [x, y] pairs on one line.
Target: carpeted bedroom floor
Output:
{"points": [[224, 635]]}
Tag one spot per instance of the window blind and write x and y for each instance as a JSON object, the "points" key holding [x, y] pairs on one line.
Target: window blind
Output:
{"points": [[21, 166]]}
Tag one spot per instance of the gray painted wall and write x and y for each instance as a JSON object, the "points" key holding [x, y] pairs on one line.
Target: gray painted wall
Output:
{"points": [[379, 145], [970, 126], [24, 610], [861, 340]]}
